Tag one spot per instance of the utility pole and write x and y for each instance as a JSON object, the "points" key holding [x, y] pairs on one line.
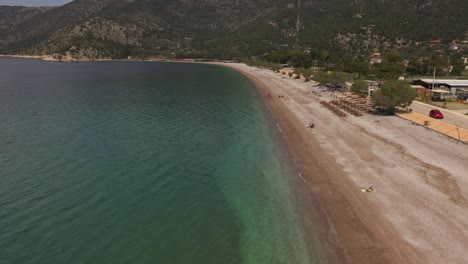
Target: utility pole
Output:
{"points": [[433, 77], [368, 89]]}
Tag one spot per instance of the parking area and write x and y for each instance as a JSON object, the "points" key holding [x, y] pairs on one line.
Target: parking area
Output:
{"points": [[440, 126], [450, 117]]}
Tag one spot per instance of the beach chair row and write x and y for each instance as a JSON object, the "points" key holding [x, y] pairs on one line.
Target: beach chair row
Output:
{"points": [[334, 109], [348, 107]]}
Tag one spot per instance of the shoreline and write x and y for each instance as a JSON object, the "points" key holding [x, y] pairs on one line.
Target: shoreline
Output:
{"points": [[340, 156], [333, 246], [67, 59], [313, 220], [50, 58]]}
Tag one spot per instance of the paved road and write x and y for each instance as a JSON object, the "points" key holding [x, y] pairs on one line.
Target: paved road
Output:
{"points": [[449, 116]]}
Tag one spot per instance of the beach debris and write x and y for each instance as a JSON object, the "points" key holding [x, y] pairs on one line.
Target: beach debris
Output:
{"points": [[311, 125], [302, 178], [369, 189], [279, 128]]}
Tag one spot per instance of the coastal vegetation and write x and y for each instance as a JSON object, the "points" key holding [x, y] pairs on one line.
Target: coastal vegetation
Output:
{"points": [[359, 87], [392, 65], [263, 64], [393, 94], [333, 78]]}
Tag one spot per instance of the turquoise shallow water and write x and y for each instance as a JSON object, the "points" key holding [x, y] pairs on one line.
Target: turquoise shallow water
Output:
{"points": [[141, 163]]}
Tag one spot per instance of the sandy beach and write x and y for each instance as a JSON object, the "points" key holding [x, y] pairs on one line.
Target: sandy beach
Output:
{"points": [[419, 211]]}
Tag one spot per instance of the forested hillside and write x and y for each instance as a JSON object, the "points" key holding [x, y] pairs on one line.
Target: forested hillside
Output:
{"points": [[89, 29]]}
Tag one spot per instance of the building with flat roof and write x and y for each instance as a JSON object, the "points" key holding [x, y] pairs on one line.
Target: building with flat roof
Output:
{"points": [[452, 85]]}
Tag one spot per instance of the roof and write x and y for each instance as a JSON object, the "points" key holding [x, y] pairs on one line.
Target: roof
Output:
{"points": [[341, 85], [446, 81], [440, 91]]}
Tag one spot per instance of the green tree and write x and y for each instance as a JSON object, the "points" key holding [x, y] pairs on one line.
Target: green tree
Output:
{"points": [[274, 67], [441, 62], [297, 72], [337, 77], [458, 67], [416, 67], [392, 56], [324, 58], [280, 57], [361, 68], [322, 77], [393, 94], [307, 73], [389, 71], [359, 87], [300, 59]]}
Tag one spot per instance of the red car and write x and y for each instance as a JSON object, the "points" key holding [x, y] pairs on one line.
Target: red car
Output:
{"points": [[434, 113]]}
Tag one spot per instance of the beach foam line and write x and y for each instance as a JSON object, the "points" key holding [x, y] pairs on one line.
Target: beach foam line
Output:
{"points": [[302, 178], [279, 128]]}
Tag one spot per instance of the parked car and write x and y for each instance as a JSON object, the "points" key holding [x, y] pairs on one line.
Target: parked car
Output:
{"points": [[434, 113]]}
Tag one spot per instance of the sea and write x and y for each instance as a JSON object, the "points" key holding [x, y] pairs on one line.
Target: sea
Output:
{"points": [[142, 162]]}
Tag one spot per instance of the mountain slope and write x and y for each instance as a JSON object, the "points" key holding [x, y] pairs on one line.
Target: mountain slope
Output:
{"points": [[221, 28], [11, 17]]}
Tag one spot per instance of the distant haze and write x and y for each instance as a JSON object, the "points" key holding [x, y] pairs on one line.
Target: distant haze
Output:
{"points": [[34, 2]]}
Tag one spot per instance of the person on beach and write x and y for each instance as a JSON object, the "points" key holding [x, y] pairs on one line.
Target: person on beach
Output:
{"points": [[311, 126]]}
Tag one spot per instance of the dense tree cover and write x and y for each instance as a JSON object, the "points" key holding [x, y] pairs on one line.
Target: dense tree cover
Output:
{"points": [[320, 59], [295, 58], [361, 68], [393, 94], [333, 78], [395, 63], [389, 71], [263, 64], [440, 62], [444, 63], [334, 35], [410, 19], [307, 73], [458, 67], [417, 66], [393, 56]]}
